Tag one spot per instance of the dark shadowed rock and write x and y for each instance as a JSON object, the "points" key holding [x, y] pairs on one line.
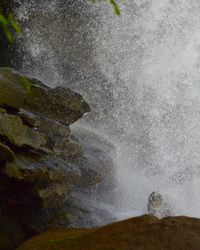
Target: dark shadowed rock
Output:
{"points": [[11, 233], [6, 154], [51, 178]]}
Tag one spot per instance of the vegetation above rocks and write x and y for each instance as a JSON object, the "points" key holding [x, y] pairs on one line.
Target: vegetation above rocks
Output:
{"points": [[8, 23]]}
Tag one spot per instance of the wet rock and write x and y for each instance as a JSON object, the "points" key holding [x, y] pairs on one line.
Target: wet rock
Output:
{"points": [[57, 104], [96, 163], [51, 179], [19, 91], [18, 134], [57, 133], [85, 212], [47, 173], [145, 232], [96, 183]]}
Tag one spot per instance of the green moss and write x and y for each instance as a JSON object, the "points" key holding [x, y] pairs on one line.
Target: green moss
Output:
{"points": [[26, 84]]}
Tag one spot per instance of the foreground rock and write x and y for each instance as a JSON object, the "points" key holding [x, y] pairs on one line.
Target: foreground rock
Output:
{"points": [[43, 167], [144, 233]]}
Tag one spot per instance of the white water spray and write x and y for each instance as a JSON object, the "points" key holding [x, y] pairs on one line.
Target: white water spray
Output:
{"points": [[140, 73]]}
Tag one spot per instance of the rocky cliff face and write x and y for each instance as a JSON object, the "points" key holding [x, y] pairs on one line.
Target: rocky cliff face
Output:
{"points": [[45, 170]]}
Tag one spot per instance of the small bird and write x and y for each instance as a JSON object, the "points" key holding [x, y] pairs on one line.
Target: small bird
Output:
{"points": [[155, 205]]}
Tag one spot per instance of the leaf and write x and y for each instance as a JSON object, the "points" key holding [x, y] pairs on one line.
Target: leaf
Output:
{"points": [[14, 24], [116, 8], [3, 20]]}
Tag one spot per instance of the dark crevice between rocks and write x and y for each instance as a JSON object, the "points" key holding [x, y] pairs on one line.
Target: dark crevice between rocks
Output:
{"points": [[25, 149], [10, 110]]}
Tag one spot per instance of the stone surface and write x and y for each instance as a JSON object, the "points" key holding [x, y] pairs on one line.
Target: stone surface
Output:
{"points": [[12, 89], [19, 91], [51, 178], [96, 183], [18, 134], [47, 174], [145, 233], [57, 104], [6, 154]]}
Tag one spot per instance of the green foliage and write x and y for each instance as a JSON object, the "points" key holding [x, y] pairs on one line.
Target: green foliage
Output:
{"points": [[114, 4], [7, 24], [116, 8]]}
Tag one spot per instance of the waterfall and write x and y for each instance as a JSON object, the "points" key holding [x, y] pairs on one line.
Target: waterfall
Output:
{"points": [[140, 73]]}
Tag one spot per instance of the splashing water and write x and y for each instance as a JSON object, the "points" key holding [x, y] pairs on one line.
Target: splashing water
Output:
{"points": [[140, 73]]}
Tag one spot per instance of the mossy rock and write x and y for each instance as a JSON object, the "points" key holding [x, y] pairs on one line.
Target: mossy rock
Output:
{"points": [[60, 104], [2, 111], [13, 89], [18, 134], [19, 91]]}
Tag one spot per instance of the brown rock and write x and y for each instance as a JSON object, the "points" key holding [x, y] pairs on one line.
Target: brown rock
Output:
{"points": [[144, 233]]}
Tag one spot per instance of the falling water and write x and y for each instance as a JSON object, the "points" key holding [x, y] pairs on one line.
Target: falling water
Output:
{"points": [[140, 73]]}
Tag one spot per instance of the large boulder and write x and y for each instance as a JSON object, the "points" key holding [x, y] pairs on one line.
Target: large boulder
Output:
{"points": [[145, 233], [59, 104]]}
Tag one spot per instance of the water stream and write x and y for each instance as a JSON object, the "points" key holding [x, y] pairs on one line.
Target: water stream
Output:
{"points": [[140, 74]]}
